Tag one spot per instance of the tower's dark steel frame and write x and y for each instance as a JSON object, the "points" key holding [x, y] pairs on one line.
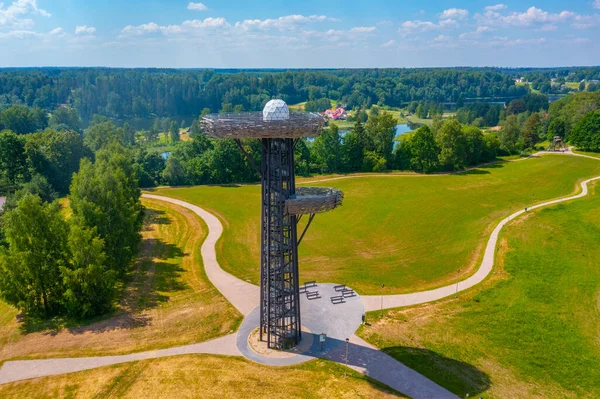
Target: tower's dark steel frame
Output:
{"points": [[279, 292], [281, 210]]}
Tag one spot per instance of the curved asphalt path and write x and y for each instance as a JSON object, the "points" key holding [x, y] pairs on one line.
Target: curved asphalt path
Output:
{"points": [[245, 296]]}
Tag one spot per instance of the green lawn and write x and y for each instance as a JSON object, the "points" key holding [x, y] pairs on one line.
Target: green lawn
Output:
{"points": [[591, 154], [531, 331], [408, 232]]}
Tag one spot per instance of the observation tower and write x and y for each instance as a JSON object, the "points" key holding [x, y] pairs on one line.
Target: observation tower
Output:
{"points": [[283, 205]]}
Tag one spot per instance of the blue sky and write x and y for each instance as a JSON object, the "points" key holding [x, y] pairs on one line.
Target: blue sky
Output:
{"points": [[298, 34]]}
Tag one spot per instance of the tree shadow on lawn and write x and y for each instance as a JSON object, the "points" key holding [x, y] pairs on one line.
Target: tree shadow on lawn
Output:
{"points": [[146, 287], [458, 377], [155, 217]]}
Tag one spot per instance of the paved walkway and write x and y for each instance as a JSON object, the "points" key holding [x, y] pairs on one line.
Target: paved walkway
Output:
{"points": [[25, 369], [243, 295]]}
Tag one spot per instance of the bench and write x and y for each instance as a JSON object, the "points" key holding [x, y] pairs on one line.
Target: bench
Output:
{"points": [[339, 288], [310, 284], [337, 299], [312, 295], [348, 293]]}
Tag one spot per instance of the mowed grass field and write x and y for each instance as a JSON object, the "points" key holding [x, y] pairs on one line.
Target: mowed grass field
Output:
{"points": [[167, 300], [200, 376], [407, 232], [530, 331]]}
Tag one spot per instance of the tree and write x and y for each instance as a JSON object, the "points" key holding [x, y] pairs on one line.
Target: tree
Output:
{"points": [[13, 162], [424, 151], [22, 119], [557, 127], [65, 118], [106, 196], [516, 107], [174, 132], [174, 172], [532, 130], [452, 145], [474, 144], [195, 129], [586, 134], [353, 147], [89, 287], [491, 144], [55, 155], [582, 85], [380, 131], [100, 135], [38, 185], [30, 268], [326, 150], [510, 134]]}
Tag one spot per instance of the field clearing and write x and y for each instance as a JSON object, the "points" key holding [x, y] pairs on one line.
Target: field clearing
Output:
{"points": [[168, 300], [407, 232], [591, 154], [194, 376], [531, 331]]}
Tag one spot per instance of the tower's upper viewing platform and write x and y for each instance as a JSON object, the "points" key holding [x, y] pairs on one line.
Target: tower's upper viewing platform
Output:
{"points": [[274, 122]]}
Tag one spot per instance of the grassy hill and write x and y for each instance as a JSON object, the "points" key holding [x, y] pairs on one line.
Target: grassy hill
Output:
{"points": [[531, 331], [408, 232]]}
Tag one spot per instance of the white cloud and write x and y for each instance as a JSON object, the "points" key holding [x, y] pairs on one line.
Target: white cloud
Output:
{"points": [[497, 7], [475, 34], [454, 13], [363, 29], [56, 31], [389, 43], [12, 14], [189, 26], [549, 28], [441, 38], [18, 34], [585, 21], [533, 16], [84, 29], [287, 22], [425, 26], [197, 7], [596, 4]]}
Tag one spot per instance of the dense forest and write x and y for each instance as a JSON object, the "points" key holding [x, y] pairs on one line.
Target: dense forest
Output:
{"points": [[143, 93]]}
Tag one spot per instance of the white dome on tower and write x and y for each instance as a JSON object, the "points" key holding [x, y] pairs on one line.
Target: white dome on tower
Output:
{"points": [[276, 110]]}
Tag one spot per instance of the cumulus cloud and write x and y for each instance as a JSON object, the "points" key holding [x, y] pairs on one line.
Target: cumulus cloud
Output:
{"points": [[497, 7], [85, 30], [476, 33], [425, 26], [197, 7], [454, 13], [185, 27], [441, 38], [363, 29], [287, 22], [12, 15], [533, 16]]}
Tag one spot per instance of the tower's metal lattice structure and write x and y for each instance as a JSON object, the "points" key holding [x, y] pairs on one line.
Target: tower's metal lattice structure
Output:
{"points": [[282, 207]]}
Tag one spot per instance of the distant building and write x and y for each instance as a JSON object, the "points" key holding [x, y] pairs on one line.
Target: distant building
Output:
{"points": [[335, 114], [2, 201]]}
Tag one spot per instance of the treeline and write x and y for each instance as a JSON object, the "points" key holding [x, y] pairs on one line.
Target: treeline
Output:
{"points": [[129, 93]]}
